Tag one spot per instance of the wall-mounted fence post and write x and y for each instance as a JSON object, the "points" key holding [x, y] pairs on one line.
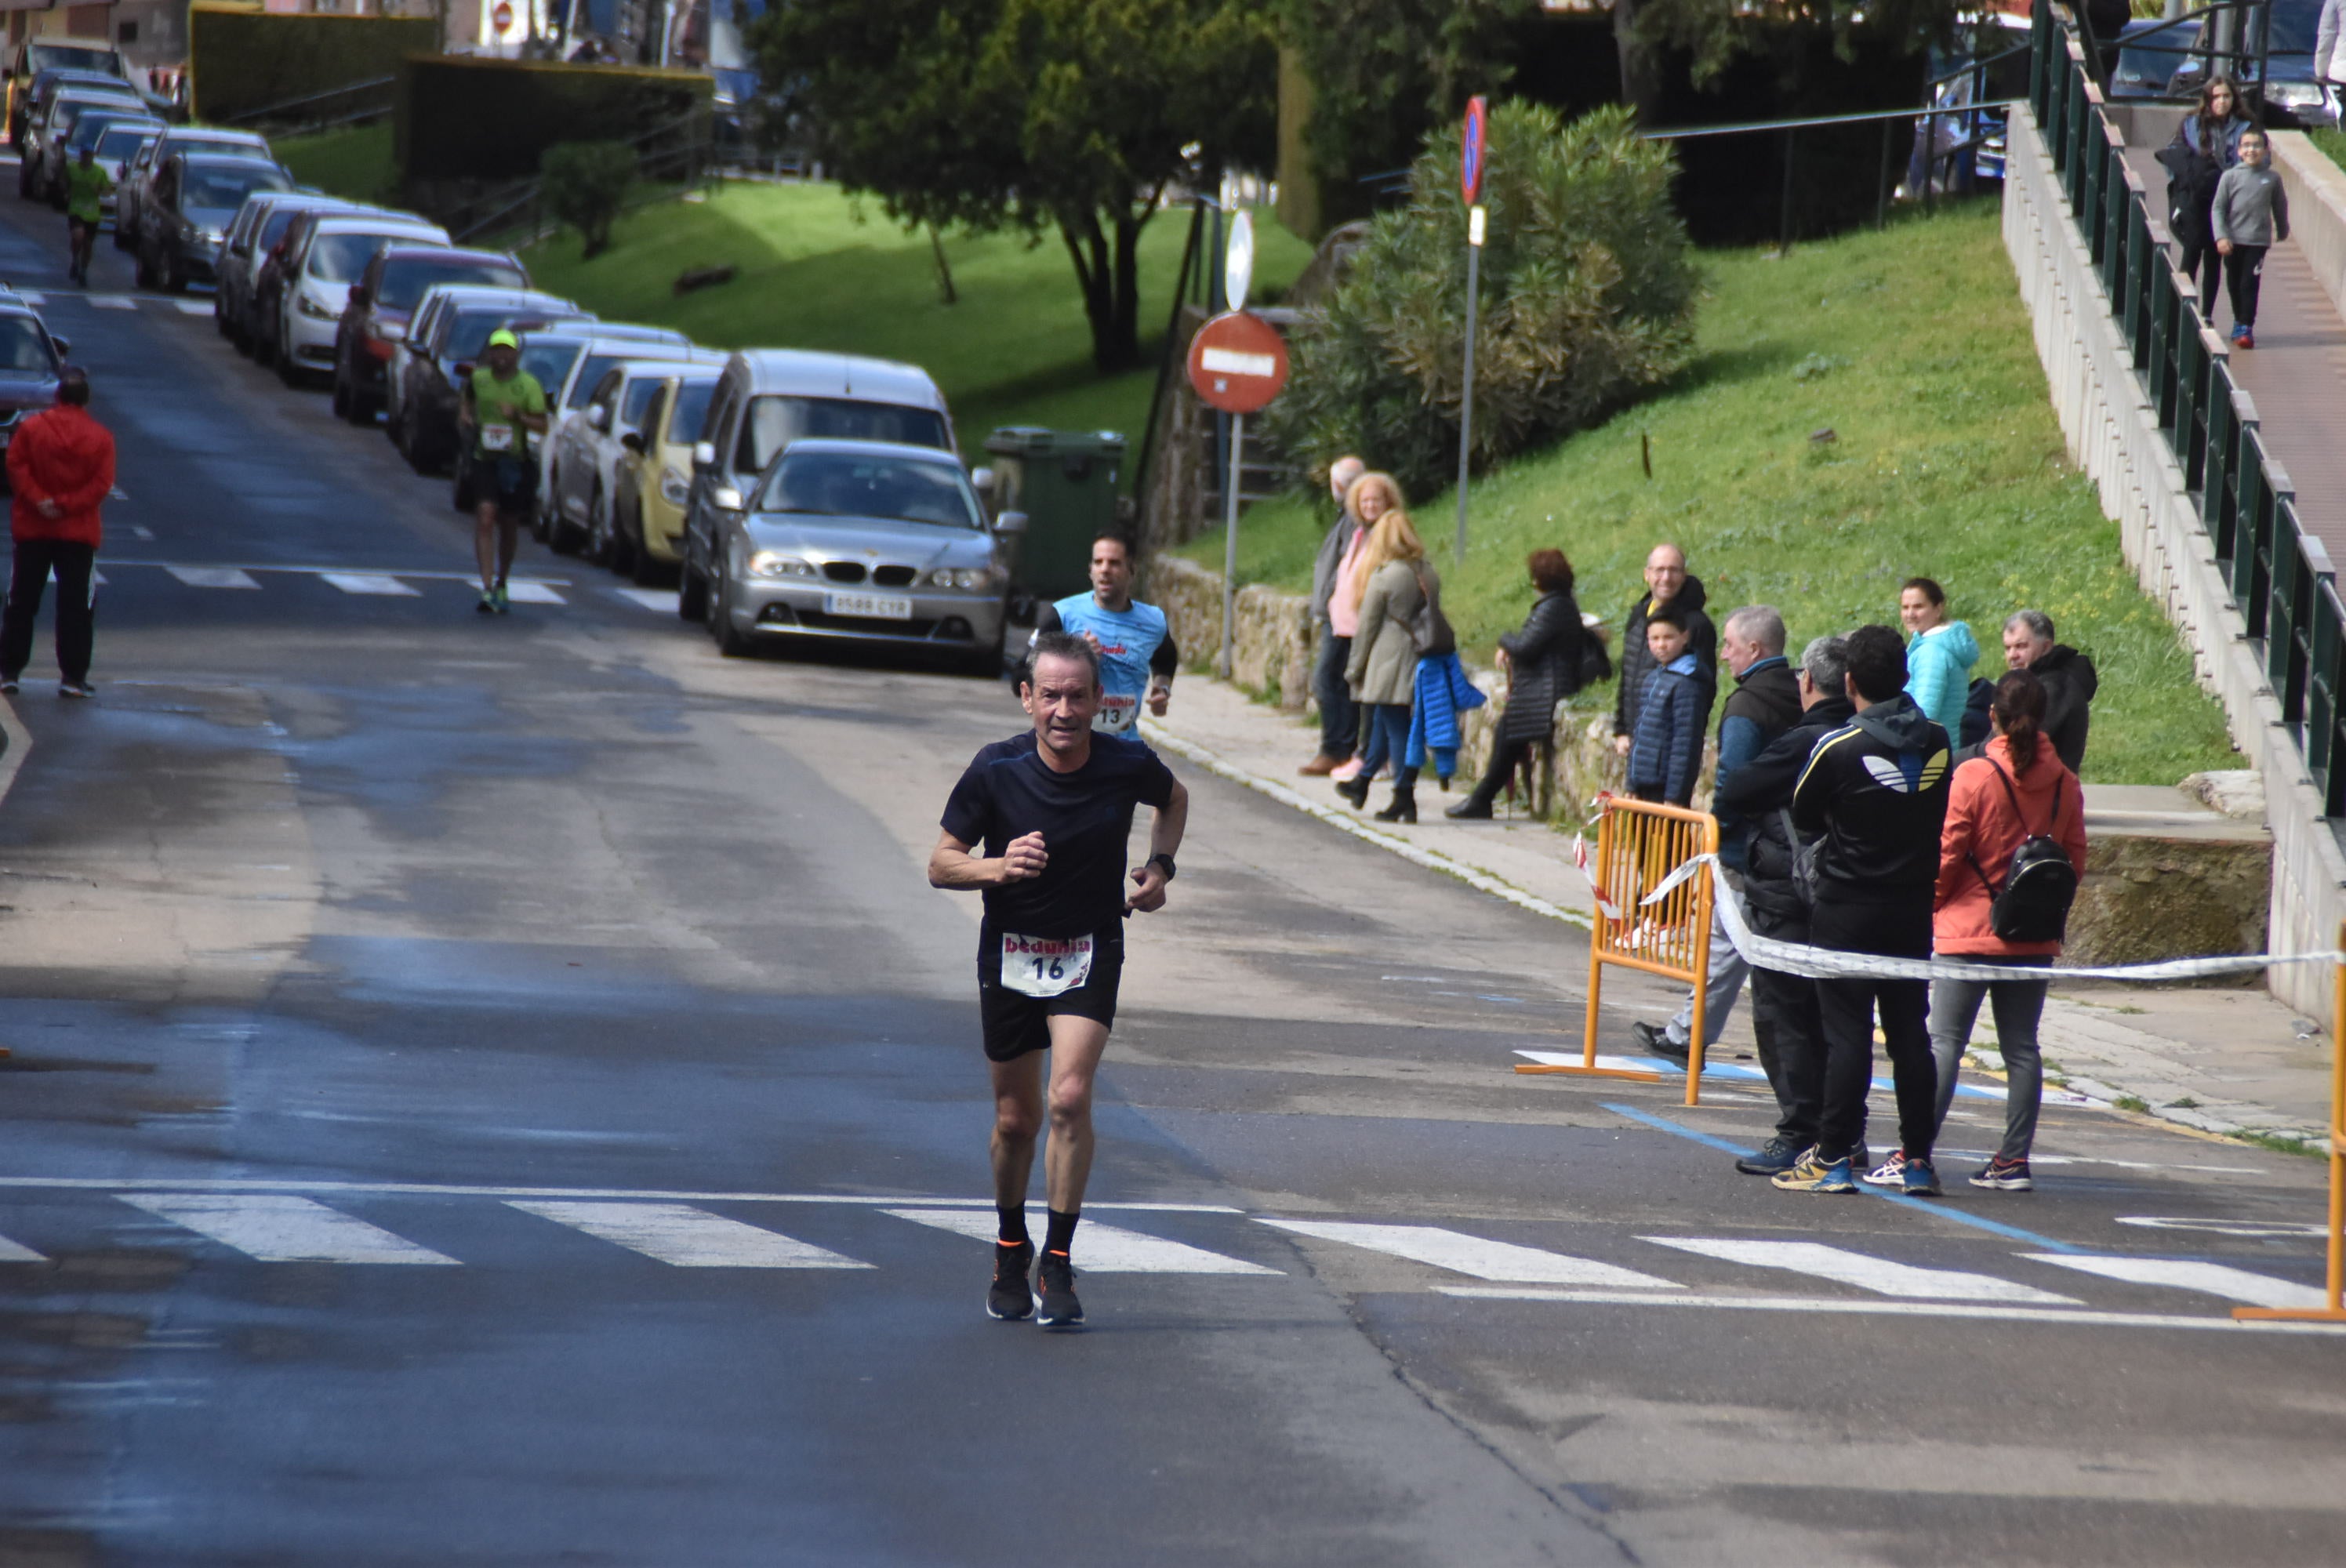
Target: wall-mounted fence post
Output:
{"points": [[1784, 236], [1881, 179]]}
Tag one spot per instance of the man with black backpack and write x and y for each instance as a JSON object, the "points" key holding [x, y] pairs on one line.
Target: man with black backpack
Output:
{"points": [[1877, 789], [2009, 860], [1775, 903]]}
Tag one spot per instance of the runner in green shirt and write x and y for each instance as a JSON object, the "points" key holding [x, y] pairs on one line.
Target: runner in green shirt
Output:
{"points": [[86, 187], [502, 404]]}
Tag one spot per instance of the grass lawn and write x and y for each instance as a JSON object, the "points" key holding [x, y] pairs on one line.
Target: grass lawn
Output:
{"points": [[355, 162], [811, 275], [1908, 345]]}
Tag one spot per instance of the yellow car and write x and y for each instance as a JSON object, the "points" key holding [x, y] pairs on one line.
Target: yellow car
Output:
{"points": [[655, 477]]}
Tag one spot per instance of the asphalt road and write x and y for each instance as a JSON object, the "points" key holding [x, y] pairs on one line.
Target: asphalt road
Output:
{"points": [[502, 1092]]}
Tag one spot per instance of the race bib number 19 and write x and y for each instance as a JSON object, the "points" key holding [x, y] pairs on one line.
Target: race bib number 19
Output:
{"points": [[1046, 966]]}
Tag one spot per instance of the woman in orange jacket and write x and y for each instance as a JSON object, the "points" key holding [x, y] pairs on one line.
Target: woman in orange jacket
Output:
{"points": [[2017, 789]]}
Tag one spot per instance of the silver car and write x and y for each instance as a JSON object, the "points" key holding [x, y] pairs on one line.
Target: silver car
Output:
{"points": [[866, 541]]}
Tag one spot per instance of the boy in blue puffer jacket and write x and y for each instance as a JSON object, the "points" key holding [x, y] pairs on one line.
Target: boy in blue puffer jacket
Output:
{"points": [[1940, 654], [1673, 712]]}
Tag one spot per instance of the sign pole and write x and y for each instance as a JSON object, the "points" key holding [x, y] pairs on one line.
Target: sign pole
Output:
{"points": [[1466, 399], [1231, 546]]}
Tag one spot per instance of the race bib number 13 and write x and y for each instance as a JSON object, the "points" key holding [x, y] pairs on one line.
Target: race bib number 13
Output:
{"points": [[1046, 966], [1117, 714]]}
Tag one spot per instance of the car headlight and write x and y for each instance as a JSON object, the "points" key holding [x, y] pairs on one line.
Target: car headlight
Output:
{"points": [[676, 489], [972, 578], [2296, 94], [312, 309], [774, 563]]}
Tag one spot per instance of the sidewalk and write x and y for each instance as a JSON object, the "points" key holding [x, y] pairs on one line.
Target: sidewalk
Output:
{"points": [[2223, 1062]]}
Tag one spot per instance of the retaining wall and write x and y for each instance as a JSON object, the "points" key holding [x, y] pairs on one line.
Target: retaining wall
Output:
{"points": [[2113, 436]]}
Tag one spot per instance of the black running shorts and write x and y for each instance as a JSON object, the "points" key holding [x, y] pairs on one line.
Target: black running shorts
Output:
{"points": [[510, 481], [1016, 1023]]}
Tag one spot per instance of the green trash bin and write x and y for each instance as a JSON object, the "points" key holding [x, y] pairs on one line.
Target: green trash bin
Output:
{"points": [[1066, 482]]}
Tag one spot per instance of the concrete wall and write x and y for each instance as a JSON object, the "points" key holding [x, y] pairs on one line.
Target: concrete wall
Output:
{"points": [[2317, 208], [2113, 436]]}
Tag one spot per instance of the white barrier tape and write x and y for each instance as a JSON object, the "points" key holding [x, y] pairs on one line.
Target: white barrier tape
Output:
{"points": [[1831, 964]]}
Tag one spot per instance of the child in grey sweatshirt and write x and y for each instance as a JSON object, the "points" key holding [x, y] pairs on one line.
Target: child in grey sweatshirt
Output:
{"points": [[2250, 216]]}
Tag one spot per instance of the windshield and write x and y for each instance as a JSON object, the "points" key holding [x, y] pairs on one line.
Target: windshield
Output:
{"points": [[691, 411], [850, 484], [25, 347], [404, 281], [640, 394], [589, 373], [120, 141], [549, 361], [775, 421], [71, 110], [66, 57], [469, 333], [341, 258], [92, 129], [227, 187]]}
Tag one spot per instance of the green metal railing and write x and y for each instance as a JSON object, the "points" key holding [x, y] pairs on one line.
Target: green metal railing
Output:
{"points": [[2281, 578]]}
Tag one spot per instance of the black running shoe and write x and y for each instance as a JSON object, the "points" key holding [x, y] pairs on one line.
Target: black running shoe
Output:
{"points": [[1778, 1153], [1655, 1038], [1010, 1300], [1060, 1308]]}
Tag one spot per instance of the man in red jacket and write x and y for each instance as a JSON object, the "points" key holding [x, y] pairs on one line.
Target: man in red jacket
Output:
{"points": [[60, 467]]}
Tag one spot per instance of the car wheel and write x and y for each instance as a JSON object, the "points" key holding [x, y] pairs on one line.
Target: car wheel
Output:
{"points": [[691, 593], [24, 177], [287, 370], [986, 662], [140, 273], [602, 540], [729, 640], [175, 279], [121, 239], [342, 398], [462, 490]]}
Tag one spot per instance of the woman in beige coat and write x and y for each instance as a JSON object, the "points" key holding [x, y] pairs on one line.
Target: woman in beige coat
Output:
{"points": [[1396, 584]]}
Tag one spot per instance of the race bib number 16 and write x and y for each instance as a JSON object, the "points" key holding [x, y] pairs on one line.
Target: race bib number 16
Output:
{"points": [[1046, 966]]}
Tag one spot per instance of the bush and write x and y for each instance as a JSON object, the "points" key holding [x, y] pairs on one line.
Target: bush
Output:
{"points": [[585, 183], [1586, 301], [465, 119], [242, 62]]}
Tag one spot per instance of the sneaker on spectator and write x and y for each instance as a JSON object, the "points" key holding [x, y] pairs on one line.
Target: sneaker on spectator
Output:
{"points": [[1922, 1180], [1890, 1172], [2001, 1175], [1656, 1039], [1778, 1153], [1815, 1175], [1344, 772]]}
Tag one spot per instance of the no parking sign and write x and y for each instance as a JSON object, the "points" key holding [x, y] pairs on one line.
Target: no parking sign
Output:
{"points": [[1470, 149]]}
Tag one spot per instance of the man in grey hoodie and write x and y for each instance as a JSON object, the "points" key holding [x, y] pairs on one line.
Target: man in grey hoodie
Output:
{"points": [[2249, 218]]}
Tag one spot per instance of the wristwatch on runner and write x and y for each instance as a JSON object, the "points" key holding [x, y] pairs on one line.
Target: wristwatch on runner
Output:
{"points": [[1165, 861]]}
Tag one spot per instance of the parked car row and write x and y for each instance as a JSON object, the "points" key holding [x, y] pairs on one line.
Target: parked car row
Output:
{"points": [[786, 492]]}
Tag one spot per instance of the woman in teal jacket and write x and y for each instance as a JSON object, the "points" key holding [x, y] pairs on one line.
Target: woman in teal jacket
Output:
{"points": [[1940, 654]]}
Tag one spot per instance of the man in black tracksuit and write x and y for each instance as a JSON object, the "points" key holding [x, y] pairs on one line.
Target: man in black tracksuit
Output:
{"points": [[1877, 789], [1784, 1006]]}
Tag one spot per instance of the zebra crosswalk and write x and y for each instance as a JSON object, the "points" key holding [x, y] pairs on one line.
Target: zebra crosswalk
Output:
{"points": [[365, 1226], [396, 583]]}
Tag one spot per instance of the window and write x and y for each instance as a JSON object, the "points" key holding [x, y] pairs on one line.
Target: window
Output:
{"points": [[25, 347], [341, 258], [549, 361], [850, 484], [125, 31], [405, 279], [607, 389], [589, 375], [227, 187], [640, 394], [775, 421], [691, 416]]}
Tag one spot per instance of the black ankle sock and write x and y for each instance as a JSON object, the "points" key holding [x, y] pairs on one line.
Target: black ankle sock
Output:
{"points": [[1014, 1223], [1059, 1236]]}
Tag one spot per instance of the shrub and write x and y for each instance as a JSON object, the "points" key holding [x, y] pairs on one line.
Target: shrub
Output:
{"points": [[585, 183], [1586, 301]]}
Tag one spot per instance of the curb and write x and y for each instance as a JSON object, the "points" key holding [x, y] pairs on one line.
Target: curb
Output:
{"points": [[1432, 859], [20, 742]]}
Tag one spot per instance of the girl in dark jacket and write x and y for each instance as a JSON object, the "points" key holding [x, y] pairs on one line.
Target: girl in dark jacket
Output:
{"points": [[2206, 144], [1542, 665]]}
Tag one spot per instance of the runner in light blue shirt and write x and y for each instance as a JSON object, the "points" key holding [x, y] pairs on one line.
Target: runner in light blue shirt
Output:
{"points": [[1137, 658]]}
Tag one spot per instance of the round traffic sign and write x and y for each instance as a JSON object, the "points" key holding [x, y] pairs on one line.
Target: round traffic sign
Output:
{"points": [[1471, 150], [1237, 362], [1237, 261], [502, 18]]}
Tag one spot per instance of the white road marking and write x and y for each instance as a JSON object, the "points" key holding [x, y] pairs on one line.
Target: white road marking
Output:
{"points": [[435, 1189], [525, 592], [1811, 1305], [212, 577], [283, 1230], [1099, 1248], [370, 583], [1499, 1261], [35, 301], [112, 301], [142, 533], [660, 599], [686, 1237], [2253, 1228], [193, 306], [17, 1252], [2209, 1278], [1846, 1268]]}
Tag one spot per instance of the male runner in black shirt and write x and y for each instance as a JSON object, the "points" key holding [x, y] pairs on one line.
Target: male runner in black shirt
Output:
{"points": [[1052, 811]]}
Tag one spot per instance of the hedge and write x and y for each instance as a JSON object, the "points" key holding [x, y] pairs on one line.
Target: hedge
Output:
{"points": [[242, 61], [460, 118]]}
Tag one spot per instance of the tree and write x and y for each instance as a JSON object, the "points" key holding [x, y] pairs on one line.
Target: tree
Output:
{"points": [[1587, 302], [1029, 114], [1713, 33], [585, 183]]}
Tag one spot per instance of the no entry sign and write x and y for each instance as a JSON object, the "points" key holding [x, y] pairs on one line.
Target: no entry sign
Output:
{"points": [[1237, 362], [1470, 149]]}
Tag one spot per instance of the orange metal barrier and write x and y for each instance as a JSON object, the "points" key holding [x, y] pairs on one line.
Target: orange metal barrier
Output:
{"points": [[2335, 1312], [1638, 845]]}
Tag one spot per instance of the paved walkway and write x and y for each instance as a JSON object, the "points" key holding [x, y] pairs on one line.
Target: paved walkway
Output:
{"points": [[2228, 1062]]}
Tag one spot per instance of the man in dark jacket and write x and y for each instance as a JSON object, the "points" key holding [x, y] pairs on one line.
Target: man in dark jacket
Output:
{"points": [[61, 470], [1877, 789], [1764, 703], [1340, 721], [2068, 677], [1667, 583], [1784, 1006]]}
